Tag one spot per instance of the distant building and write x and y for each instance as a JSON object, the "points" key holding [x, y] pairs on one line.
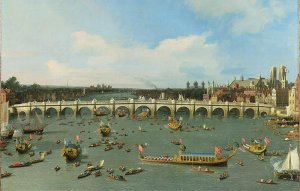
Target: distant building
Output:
{"points": [[282, 76], [297, 95], [280, 97], [2, 96], [273, 76], [250, 83], [292, 102]]}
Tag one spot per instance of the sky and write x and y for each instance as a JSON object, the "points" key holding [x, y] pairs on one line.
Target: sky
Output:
{"points": [[148, 43]]}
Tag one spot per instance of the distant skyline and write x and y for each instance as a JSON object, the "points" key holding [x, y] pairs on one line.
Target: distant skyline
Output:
{"points": [[142, 44]]}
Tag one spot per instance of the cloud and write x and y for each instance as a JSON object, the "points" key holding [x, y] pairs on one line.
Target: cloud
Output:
{"points": [[170, 64], [249, 16]]}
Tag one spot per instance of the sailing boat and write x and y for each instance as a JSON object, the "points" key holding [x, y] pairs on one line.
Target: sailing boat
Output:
{"points": [[105, 129], [289, 169], [38, 126], [141, 130], [71, 151], [22, 145], [4, 117]]}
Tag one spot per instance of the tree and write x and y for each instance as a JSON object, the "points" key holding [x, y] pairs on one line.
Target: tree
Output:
{"points": [[12, 83], [34, 87], [195, 84], [188, 85]]}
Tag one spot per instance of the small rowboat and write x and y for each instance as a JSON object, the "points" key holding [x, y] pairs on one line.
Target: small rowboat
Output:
{"points": [[223, 175], [95, 145], [134, 171], [199, 169], [6, 174], [84, 174], [19, 164], [264, 181], [116, 177]]}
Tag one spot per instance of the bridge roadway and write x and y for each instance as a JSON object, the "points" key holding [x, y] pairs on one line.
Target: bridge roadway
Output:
{"points": [[206, 108]]}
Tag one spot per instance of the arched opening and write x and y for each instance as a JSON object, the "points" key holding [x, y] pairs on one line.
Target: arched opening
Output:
{"points": [[249, 113], [234, 112], [36, 111], [163, 112], [51, 112], [182, 112], [84, 112], [22, 115], [263, 114], [122, 111], [103, 110], [143, 111], [218, 112], [201, 112], [67, 112]]}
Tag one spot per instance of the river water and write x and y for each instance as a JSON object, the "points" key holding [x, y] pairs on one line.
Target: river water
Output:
{"points": [[42, 176]]}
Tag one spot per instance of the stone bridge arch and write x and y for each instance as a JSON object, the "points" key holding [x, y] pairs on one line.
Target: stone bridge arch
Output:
{"points": [[85, 111], [201, 111], [234, 112], [51, 112], [249, 113], [218, 112], [37, 110], [183, 111], [164, 111], [141, 109], [68, 112]]}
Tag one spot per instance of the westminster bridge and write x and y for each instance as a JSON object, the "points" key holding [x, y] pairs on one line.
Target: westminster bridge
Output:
{"points": [[192, 107]]}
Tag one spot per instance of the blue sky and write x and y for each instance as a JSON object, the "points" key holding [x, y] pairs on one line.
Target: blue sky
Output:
{"points": [[132, 43]]}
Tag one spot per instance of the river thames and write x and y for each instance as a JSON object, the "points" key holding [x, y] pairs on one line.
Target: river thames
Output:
{"points": [[157, 137]]}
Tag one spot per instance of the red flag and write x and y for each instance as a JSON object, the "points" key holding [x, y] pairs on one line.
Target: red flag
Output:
{"points": [[141, 148], [267, 140], [95, 110], [217, 150], [78, 138], [14, 126], [31, 137], [243, 140]]}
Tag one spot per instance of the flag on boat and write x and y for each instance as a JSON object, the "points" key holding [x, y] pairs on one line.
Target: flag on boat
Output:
{"points": [[169, 118], [217, 150], [141, 148], [78, 138], [95, 110], [14, 126], [180, 141], [31, 137], [65, 141], [180, 118], [243, 140], [267, 140]]}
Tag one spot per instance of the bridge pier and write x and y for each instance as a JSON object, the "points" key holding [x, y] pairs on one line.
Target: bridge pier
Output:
{"points": [[153, 108], [192, 109], [112, 107], [256, 110], [209, 111], [226, 110], [242, 110], [131, 108], [173, 108]]}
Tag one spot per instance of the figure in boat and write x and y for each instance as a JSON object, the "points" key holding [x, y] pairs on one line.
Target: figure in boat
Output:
{"points": [[175, 124], [289, 169], [99, 113], [216, 158], [37, 127], [104, 130], [256, 147], [71, 151]]}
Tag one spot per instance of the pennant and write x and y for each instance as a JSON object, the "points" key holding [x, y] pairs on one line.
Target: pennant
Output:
{"points": [[31, 137], [267, 140], [78, 138], [169, 118], [244, 141], [141, 148]]}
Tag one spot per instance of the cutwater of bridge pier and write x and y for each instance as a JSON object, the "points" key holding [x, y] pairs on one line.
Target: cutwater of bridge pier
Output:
{"points": [[192, 107]]}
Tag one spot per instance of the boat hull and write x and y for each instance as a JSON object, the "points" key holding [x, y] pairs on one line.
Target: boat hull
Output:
{"points": [[255, 151], [23, 148], [70, 154]]}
